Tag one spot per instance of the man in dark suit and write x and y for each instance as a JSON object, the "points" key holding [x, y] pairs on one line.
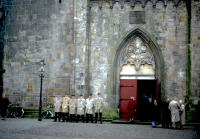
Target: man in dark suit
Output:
{"points": [[166, 114]]}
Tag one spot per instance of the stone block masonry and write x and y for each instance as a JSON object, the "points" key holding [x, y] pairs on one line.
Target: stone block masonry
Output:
{"points": [[34, 30], [167, 25], [195, 52]]}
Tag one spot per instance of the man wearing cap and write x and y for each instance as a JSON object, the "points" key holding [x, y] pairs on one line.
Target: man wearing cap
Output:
{"points": [[65, 107], [72, 108], [89, 108], [58, 107], [98, 104], [80, 108]]}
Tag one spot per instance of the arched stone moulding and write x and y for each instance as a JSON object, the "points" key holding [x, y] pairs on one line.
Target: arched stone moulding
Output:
{"points": [[136, 53], [115, 61]]}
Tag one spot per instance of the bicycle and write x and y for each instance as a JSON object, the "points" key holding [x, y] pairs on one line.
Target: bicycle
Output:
{"points": [[14, 110], [45, 114]]}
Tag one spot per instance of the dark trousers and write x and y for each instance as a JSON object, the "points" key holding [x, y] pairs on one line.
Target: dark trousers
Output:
{"points": [[87, 117], [57, 115], [166, 120], [72, 117], [82, 116], [165, 123], [3, 112], [100, 115], [67, 115]]}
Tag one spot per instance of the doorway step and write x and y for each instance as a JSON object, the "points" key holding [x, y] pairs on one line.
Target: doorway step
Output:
{"points": [[138, 122]]}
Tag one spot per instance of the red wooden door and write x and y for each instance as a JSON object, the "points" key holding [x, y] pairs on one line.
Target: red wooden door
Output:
{"points": [[128, 88]]}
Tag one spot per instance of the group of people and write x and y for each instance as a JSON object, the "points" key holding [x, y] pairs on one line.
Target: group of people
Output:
{"points": [[173, 113], [65, 107]]}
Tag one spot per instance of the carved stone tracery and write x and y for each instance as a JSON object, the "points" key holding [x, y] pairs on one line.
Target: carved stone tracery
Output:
{"points": [[137, 53]]}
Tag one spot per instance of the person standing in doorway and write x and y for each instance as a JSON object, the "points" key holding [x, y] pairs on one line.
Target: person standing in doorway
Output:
{"points": [[89, 108], [80, 108], [154, 113], [58, 107], [4, 102], [131, 108], [166, 114], [72, 108], [98, 107], [65, 107], [174, 107], [182, 114]]}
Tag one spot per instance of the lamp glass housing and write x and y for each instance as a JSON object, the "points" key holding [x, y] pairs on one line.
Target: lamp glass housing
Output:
{"points": [[42, 61]]}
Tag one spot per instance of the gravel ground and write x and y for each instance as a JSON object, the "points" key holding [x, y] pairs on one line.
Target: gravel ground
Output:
{"points": [[24, 128]]}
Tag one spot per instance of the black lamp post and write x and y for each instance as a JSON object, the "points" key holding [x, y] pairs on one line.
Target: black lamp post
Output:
{"points": [[41, 76]]}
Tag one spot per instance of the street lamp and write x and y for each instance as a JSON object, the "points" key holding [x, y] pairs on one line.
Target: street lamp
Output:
{"points": [[41, 76]]}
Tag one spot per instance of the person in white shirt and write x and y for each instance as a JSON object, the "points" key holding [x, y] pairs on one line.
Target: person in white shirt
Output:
{"points": [[58, 107], [89, 108], [80, 108], [182, 114], [65, 107], [98, 103], [174, 107]]}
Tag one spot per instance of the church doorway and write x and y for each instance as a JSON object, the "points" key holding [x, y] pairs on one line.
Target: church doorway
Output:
{"points": [[138, 71], [144, 91], [137, 79]]}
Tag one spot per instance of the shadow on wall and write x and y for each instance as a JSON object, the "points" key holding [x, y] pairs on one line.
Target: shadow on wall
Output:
{"points": [[1, 49]]}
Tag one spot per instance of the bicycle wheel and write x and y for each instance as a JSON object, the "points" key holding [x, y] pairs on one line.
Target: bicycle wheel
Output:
{"points": [[44, 114], [7, 113], [18, 113], [51, 114]]}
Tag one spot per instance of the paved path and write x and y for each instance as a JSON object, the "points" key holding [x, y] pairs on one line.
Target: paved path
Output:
{"points": [[24, 128]]}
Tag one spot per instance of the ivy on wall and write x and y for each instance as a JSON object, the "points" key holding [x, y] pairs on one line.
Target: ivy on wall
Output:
{"points": [[188, 4], [1, 54]]}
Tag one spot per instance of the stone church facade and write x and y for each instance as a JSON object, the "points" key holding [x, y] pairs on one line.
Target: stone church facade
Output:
{"points": [[89, 45]]}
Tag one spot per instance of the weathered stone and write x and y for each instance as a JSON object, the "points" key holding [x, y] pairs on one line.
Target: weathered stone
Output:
{"points": [[6, 89], [53, 90], [17, 64], [49, 60], [50, 99], [28, 98], [29, 90], [30, 85]]}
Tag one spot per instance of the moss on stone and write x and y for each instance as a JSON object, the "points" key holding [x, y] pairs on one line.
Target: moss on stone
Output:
{"points": [[188, 5]]}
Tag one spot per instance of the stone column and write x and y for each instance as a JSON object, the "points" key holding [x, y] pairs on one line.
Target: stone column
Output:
{"points": [[80, 49]]}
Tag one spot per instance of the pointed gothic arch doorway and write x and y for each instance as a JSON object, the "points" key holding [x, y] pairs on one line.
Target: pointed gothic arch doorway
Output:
{"points": [[138, 72]]}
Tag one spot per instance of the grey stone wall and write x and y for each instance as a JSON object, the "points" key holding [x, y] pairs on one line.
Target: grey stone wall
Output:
{"points": [[34, 30], [167, 25], [195, 52], [80, 50]]}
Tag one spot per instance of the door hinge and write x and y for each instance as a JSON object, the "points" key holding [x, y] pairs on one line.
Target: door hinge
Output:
{"points": [[123, 112], [126, 86], [124, 99]]}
